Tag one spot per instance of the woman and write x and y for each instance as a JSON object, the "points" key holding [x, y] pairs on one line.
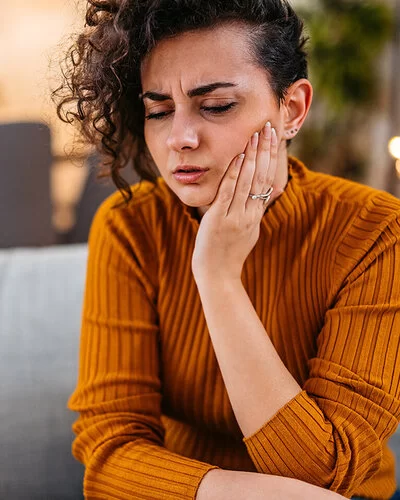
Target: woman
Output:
{"points": [[241, 314]]}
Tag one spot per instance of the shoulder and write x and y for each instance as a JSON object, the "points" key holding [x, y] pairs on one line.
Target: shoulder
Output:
{"points": [[145, 197], [361, 221], [134, 227], [130, 233], [369, 208], [150, 205]]}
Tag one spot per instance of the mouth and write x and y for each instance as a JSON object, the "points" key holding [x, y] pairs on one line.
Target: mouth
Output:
{"points": [[185, 169], [189, 174]]}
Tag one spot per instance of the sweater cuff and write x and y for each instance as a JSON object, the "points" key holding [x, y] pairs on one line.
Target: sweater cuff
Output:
{"points": [[153, 471], [277, 447]]}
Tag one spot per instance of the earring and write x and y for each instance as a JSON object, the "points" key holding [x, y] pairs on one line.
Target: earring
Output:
{"points": [[292, 132]]}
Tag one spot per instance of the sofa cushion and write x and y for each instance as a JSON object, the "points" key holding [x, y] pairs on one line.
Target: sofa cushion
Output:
{"points": [[41, 294]]}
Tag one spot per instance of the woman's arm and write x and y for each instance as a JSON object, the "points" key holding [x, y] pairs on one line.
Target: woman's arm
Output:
{"points": [[332, 432], [119, 432], [234, 485], [257, 381]]}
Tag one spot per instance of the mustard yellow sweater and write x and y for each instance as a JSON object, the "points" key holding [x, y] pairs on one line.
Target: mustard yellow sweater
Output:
{"points": [[324, 279]]}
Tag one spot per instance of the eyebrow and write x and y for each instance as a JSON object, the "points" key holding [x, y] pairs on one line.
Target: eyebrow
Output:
{"points": [[199, 91]]}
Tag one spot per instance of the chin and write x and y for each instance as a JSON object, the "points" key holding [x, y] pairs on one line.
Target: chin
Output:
{"points": [[196, 199]]}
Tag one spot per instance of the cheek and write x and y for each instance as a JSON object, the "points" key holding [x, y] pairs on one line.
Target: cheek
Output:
{"points": [[155, 146], [149, 138], [233, 137], [237, 141], [225, 147]]}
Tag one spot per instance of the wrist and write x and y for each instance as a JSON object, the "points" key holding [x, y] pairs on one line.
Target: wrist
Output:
{"points": [[209, 272], [208, 489], [208, 281]]}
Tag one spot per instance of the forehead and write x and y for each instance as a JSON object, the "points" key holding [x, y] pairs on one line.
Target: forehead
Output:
{"points": [[199, 56]]}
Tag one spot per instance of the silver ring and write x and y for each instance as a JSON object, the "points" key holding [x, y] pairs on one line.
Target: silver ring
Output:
{"points": [[264, 196]]}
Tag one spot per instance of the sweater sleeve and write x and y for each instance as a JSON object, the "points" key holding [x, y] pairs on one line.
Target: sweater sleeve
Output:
{"points": [[331, 434], [119, 434]]}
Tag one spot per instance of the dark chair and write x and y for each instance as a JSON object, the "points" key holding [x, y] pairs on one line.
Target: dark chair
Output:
{"points": [[25, 196], [95, 191]]}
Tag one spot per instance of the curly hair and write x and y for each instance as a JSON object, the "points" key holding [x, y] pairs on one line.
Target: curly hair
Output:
{"points": [[101, 87]]}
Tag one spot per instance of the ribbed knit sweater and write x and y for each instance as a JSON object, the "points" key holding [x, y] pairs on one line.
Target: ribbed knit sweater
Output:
{"points": [[324, 278]]}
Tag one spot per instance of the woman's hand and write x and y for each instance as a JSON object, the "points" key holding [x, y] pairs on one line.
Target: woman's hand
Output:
{"points": [[231, 226]]}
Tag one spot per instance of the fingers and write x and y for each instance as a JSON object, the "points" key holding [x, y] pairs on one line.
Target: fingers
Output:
{"points": [[252, 172], [266, 165], [261, 176], [227, 187], [246, 175]]}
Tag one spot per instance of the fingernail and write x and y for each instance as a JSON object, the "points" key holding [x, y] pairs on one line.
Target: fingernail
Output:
{"points": [[240, 159], [254, 140], [274, 138], [267, 130]]}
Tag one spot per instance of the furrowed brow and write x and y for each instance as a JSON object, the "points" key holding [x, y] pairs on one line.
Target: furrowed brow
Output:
{"points": [[207, 89], [154, 96], [203, 90]]}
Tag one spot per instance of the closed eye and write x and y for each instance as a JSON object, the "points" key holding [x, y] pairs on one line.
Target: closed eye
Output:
{"points": [[219, 109], [208, 109]]}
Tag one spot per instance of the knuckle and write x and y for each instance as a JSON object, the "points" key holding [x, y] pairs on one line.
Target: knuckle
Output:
{"points": [[233, 223], [269, 181], [261, 178], [233, 176], [252, 155], [225, 197], [237, 226], [265, 146]]}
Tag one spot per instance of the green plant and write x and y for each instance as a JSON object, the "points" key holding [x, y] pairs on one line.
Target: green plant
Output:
{"points": [[347, 38]]}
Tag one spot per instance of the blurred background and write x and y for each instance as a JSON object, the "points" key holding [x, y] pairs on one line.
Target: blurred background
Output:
{"points": [[48, 191]]}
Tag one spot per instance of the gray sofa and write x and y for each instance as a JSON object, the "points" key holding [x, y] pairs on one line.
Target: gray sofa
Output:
{"points": [[40, 305], [40, 302]]}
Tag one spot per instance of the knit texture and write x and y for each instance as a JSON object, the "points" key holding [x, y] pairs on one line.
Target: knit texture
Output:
{"points": [[155, 416]]}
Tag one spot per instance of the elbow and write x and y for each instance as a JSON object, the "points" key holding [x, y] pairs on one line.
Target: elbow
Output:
{"points": [[341, 466], [345, 468], [354, 466]]}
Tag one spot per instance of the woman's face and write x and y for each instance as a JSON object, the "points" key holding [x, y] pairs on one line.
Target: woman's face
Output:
{"points": [[204, 98]]}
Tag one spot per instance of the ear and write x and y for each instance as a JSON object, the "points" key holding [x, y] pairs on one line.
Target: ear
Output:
{"points": [[297, 104]]}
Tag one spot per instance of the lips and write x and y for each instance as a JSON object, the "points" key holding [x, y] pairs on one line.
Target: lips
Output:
{"points": [[189, 174], [189, 169]]}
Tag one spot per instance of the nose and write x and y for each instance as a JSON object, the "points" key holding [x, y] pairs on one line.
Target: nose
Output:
{"points": [[183, 133]]}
